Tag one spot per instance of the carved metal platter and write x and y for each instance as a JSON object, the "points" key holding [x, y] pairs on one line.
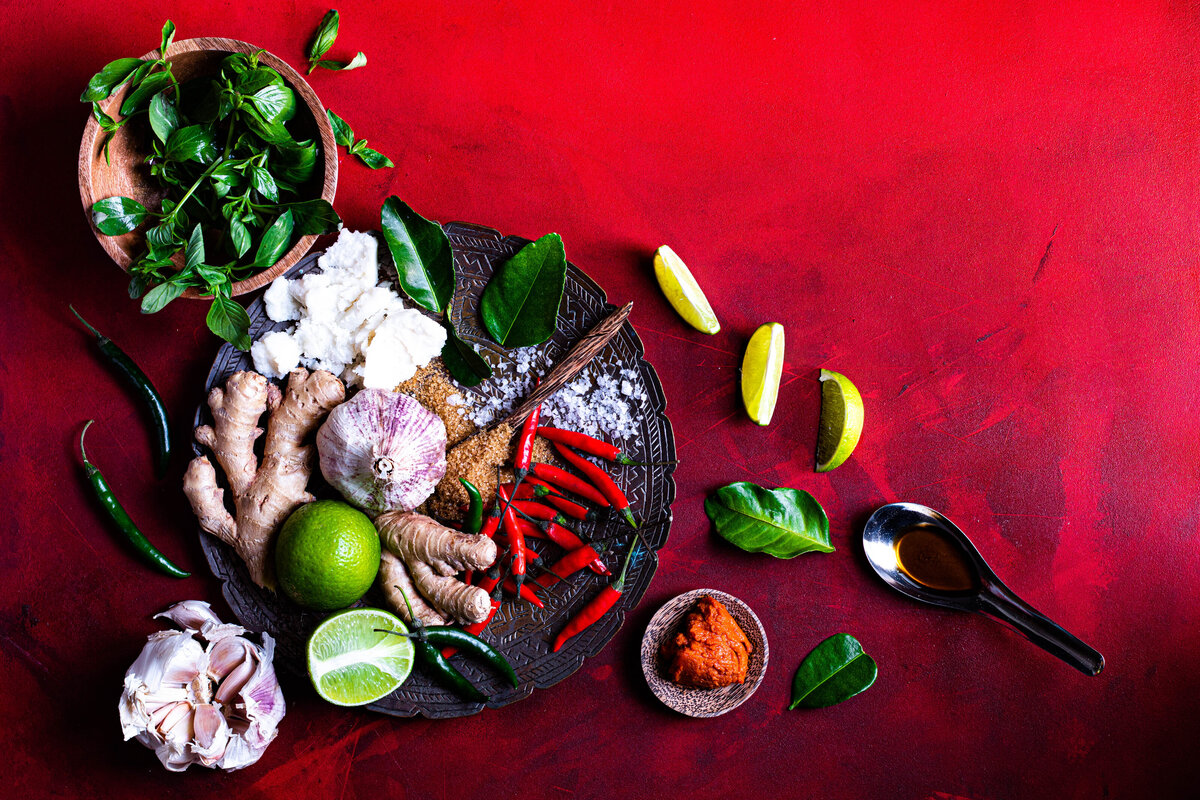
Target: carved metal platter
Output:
{"points": [[519, 630]]}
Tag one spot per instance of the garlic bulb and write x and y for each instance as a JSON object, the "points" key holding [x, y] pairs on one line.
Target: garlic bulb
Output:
{"points": [[383, 451], [217, 705]]}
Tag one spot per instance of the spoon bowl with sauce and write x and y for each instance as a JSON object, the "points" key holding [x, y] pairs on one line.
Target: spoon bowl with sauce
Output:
{"points": [[920, 553]]}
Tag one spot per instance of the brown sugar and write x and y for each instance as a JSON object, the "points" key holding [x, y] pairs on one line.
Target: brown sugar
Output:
{"points": [[432, 388], [709, 650]]}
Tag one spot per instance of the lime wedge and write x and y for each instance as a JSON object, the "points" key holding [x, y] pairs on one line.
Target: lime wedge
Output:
{"points": [[350, 664], [761, 368], [841, 420], [682, 291]]}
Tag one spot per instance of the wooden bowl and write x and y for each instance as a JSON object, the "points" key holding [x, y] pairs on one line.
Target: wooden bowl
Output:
{"points": [[128, 175], [702, 702]]}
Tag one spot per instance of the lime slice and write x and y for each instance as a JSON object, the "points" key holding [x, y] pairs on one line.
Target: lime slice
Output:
{"points": [[761, 368], [350, 664], [682, 291], [841, 420]]}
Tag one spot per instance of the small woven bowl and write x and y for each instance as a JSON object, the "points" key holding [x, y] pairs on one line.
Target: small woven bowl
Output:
{"points": [[127, 174], [702, 702]]}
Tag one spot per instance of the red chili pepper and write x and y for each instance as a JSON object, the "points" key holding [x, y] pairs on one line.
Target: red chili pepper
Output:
{"points": [[525, 592], [595, 447], [568, 565], [598, 606], [568, 507], [600, 479], [516, 540], [571, 483], [524, 454], [535, 510]]}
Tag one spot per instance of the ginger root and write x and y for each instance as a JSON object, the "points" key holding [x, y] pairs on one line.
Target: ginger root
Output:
{"points": [[432, 555], [394, 579], [263, 494]]}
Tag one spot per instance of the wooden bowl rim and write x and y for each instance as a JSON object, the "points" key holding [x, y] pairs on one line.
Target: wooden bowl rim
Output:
{"points": [[329, 147]]}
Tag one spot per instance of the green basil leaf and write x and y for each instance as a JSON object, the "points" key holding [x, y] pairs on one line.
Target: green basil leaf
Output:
{"points": [[113, 216], [195, 248], [240, 237], [264, 184], [461, 360], [276, 103], [421, 252], [168, 34], [225, 178], [157, 298], [164, 118], [161, 236], [107, 123], [270, 132], [293, 166], [835, 670], [372, 158], [256, 79], [137, 286], [314, 217], [193, 143], [324, 38], [519, 305], [139, 98], [341, 129], [359, 60], [780, 522], [113, 75], [227, 319], [275, 241], [238, 63]]}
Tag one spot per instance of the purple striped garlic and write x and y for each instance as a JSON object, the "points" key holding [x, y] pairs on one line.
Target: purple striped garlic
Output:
{"points": [[383, 451], [216, 704]]}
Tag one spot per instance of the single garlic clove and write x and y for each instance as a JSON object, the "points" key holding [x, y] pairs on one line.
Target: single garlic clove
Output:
{"points": [[211, 734], [226, 655], [191, 615], [236, 680]]}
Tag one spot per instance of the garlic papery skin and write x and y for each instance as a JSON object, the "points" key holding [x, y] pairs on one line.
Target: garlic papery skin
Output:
{"points": [[383, 451], [204, 695]]}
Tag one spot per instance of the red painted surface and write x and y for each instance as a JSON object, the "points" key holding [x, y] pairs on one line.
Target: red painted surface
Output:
{"points": [[886, 185]]}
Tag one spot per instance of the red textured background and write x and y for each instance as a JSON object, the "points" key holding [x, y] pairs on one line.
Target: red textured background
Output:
{"points": [[883, 183]]}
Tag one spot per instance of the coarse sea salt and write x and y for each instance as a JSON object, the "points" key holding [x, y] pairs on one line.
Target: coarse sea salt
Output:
{"points": [[607, 405]]}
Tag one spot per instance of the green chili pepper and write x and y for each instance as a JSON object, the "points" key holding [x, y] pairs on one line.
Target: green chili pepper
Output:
{"points": [[121, 518], [445, 672], [145, 389], [443, 636], [473, 521]]}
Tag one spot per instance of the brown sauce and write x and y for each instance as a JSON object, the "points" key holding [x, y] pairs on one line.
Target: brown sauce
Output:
{"points": [[931, 558]]}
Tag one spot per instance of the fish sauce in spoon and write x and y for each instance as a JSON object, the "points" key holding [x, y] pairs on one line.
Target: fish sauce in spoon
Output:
{"points": [[930, 557]]}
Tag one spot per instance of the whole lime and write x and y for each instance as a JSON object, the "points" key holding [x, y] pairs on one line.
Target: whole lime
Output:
{"points": [[327, 555]]}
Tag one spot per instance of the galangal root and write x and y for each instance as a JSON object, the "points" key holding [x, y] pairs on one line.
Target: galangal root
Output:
{"points": [[420, 553], [264, 494]]}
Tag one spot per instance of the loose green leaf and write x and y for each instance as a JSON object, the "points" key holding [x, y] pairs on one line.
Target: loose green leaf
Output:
{"points": [[314, 217], [227, 319], [168, 34], [324, 38], [193, 143], [225, 178], [113, 75], [271, 132], [195, 248], [139, 98], [157, 298], [276, 103], [372, 158], [461, 360], [113, 216], [264, 184], [836, 670], [161, 236], [359, 60], [275, 241], [255, 80], [342, 134], [164, 117], [240, 237], [780, 522], [519, 305], [421, 252]]}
